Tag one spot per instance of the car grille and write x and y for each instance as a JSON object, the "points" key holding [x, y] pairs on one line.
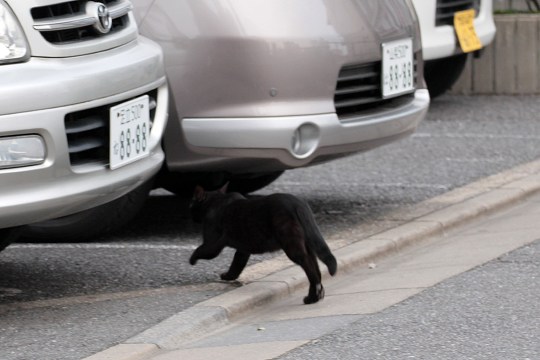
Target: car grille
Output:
{"points": [[88, 133], [359, 89], [68, 22], [447, 8]]}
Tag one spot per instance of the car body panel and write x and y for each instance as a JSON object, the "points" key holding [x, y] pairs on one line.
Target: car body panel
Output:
{"points": [[75, 80]]}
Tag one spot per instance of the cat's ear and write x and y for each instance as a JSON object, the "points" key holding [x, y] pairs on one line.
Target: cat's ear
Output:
{"points": [[198, 193], [223, 189]]}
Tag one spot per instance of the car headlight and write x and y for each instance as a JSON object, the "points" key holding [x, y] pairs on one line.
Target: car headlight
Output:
{"points": [[13, 45]]}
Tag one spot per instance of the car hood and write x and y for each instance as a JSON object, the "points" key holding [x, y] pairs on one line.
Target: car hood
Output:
{"points": [[267, 58]]}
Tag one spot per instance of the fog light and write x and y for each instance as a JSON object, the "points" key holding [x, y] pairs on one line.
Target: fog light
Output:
{"points": [[19, 151], [305, 140]]}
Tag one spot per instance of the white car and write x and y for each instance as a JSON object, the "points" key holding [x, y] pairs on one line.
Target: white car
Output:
{"points": [[84, 103], [444, 55]]}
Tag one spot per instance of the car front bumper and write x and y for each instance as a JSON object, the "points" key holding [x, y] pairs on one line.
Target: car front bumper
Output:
{"points": [[56, 187], [300, 140]]}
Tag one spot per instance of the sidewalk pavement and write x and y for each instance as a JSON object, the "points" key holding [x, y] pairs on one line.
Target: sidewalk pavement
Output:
{"points": [[178, 336]]}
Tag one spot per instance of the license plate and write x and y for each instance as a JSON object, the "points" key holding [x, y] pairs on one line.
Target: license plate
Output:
{"points": [[129, 132], [397, 68], [465, 31]]}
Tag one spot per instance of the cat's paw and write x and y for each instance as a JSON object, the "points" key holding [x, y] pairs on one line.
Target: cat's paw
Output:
{"points": [[315, 296], [225, 276], [193, 260], [311, 299]]}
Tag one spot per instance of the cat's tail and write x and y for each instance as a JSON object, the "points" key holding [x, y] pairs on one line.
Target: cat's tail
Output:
{"points": [[315, 240]]}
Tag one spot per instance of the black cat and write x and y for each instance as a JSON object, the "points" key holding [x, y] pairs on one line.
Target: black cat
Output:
{"points": [[259, 225]]}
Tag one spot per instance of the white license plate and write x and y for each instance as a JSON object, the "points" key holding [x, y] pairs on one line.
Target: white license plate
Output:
{"points": [[129, 131], [397, 68]]}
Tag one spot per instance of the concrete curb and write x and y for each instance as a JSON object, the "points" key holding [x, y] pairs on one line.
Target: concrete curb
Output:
{"points": [[458, 206]]}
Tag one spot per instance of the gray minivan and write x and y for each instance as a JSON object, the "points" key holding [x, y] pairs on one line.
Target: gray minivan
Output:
{"points": [[259, 86]]}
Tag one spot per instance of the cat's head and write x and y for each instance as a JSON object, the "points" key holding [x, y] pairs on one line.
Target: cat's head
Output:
{"points": [[202, 200]]}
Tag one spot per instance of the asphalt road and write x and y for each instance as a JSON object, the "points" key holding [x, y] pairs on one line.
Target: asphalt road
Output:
{"points": [[67, 301]]}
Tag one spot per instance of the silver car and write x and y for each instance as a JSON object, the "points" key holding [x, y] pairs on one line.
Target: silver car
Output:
{"points": [[84, 103], [262, 86]]}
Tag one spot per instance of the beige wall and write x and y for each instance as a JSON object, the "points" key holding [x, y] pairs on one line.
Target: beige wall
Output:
{"points": [[511, 64], [518, 5]]}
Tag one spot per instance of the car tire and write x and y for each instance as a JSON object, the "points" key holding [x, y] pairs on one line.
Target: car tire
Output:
{"points": [[183, 185], [441, 74], [253, 183], [8, 236], [89, 224]]}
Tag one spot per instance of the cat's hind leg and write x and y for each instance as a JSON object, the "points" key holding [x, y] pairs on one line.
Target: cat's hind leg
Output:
{"points": [[300, 255], [238, 264], [316, 289]]}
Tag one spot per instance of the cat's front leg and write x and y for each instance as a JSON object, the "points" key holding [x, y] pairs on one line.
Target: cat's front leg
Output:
{"points": [[194, 257], [238, 264], [207, 251]]}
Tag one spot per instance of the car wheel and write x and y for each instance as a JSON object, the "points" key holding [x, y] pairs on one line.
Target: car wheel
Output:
{"points": [[441, 74], [183, 184], [89, 224], [8, 236], [253, 183]]}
